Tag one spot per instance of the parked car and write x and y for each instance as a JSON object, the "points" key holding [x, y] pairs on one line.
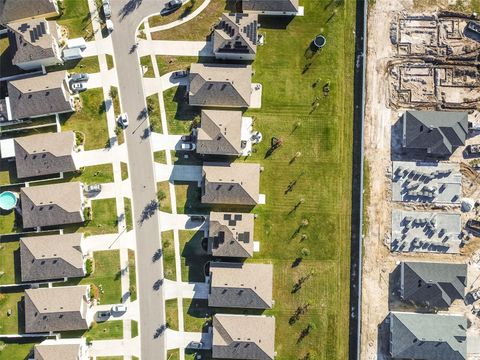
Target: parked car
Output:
{"points": [[171, 6], [473, 226], [195, 345], [109, 25], [197, 218], [179, 74], [94, 188], [107, 10], [123, 120], [119, 308], [473, 149], [78, 86], [186, 138], [475, 295], [188, 146], [79, 77]]}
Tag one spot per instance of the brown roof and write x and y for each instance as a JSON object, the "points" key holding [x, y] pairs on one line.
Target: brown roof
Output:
{"points": [[236, 34], [220, 132], [231, 234], [51, 205], [44, 154], [243, 337], [60, 308], [270, 5], [230, 183], [32, 40], [64, 349], [51, 257], [240, 285], [13, 10], [220, 85], [39, 95]]}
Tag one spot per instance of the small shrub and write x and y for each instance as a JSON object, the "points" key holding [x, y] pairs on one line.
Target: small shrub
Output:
{"points": [[89, 267], [161, 195]]}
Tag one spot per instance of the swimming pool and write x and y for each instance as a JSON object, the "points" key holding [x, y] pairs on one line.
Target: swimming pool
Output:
{"points": [[8, 200]]}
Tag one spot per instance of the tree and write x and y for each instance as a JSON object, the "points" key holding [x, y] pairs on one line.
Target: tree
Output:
{"points": [[113, 92]]}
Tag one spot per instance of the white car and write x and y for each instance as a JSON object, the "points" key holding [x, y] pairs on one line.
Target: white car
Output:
{"points": [[475, 295], [188, 146], [109, 24], [123, 120], [78, 86], [119, 308], [107, 10]]}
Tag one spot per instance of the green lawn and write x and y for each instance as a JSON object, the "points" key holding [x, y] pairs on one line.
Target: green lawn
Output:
{"points": [[184, 11], [171, 309], [168, 255], [132, 274], [173, 354], [179, 114], [109, 59], [104, 218], [88, 175], [9, 324], [76, 17], [134, 328], [84, 65], [146, 61], [167, 63], [7, 222], [128, 213], [105, 276], [108, 330], [9, 262], [193, 256], [195, 314], [91, 120], [154, 113], [124, 169], [188, 198], [198, 28], [12, 350], [163, 193], [160, 157]]}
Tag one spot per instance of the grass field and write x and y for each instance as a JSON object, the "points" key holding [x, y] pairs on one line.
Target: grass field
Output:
{"points": [[84, 65], [128, 213], [76, 18], [88, 175], [146, 61], [184, 11], [124, 169], [109, 59], [172, 313], [168, 255], [107, 330], [132, 275], [104, 218], [9, 262], [319, 127], [134, 328], [7, 222], [163, 193], [154, 113], [9, 324], [14, 350], [179, 113]]}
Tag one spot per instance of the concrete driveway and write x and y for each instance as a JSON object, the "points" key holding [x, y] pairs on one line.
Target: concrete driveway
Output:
{"points": [[174, 289], [175, 339], [165, 142], [190, 173], [109, 242], [176, 48], [180, 222]]}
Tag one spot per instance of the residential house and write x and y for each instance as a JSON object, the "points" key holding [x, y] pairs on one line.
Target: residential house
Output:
{"points": [[271, 7], [218, 85], [52, 205], [235, 37], [438, 133], [243, 337], [23, 10], [240, 285], [52, 257], [230, 183], [223, 132], [40, 95], [61, 349], [33, 43], [434, 285], [230, 235], [44, 154], [61, 308], [427, 336]]}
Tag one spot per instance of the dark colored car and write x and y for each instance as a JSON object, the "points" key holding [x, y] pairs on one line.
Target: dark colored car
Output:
{"points": [[79, 77], [171, 6], [179, 74]]}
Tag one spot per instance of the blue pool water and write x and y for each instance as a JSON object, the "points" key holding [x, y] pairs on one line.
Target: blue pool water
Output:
{"points": [[8, 200]]}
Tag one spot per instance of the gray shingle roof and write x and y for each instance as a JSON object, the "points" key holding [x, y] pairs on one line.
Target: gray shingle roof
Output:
{"points": [[51, 205], [39, 95], [12, 10], [240, 285], [234, 183], [438, 132], [51, 257], [270, 5], [230, 234], [60, 308], [220, 85], [44, 154], [32, 40], [243, 337], [236, 33], [433, 284], [220, 132], [428, 336], [64, 349]]}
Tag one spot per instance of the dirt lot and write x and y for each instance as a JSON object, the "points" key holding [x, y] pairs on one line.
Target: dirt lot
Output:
{"points": [[378, 261]]}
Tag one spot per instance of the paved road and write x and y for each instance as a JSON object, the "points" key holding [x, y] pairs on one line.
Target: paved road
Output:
{"points": [[126, 16]]}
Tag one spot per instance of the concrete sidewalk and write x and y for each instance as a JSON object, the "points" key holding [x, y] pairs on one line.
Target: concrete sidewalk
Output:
{"points": [[174, 289], [176, 48], [178, 173]]}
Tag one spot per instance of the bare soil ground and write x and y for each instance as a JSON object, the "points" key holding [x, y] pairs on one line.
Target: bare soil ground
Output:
{"points": [[378, 261]]}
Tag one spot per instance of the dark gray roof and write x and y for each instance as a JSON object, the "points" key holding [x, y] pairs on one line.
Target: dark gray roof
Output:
{"points": [[220, 85], [220, 132], [51, 205], [270, 5], [438, 132], [433, 284], [39, 95], [230, 234], [243, 337], [236, 34], [12, 10], [240, 285], [230, 183], [61, 308], [428, 336], [44, 154], [51, 257], [31, 40]]}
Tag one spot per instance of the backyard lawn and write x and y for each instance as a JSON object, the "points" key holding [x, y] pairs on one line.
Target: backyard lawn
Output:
{"points": [[88, 175], [10, 324], [76, 17], [9, 262], [11, 350], [7, 222], [91, 120]]}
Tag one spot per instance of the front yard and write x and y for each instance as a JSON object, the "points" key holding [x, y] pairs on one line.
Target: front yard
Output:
{"points": [[104, 218], [9, 262], [75, 16]]}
